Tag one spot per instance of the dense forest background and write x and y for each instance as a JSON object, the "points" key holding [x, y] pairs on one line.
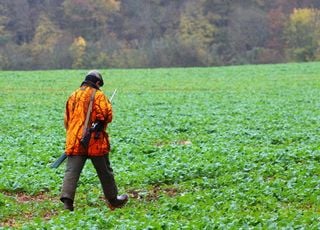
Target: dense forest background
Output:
{"points": [[55, 34]]}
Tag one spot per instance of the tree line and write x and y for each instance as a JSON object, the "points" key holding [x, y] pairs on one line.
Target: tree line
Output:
{"points": [[63, 34]]}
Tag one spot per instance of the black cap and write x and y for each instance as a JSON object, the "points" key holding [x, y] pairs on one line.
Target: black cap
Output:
{"points": [[94, 76]]}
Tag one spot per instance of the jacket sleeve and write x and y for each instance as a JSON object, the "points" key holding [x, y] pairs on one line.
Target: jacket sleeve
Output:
{"points": [[103, 109], [67, 112]]}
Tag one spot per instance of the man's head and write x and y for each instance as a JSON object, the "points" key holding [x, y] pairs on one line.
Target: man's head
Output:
{"points": [[94, 76]]}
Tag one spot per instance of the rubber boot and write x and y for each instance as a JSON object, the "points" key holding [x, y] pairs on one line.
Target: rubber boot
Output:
{"points": [[118, 202], [68, 204]]}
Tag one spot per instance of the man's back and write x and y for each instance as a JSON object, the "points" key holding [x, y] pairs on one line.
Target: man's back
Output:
{"points": [[77, 107]]}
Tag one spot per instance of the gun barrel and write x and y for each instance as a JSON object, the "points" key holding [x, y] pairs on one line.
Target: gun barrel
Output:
{"points": [[58, 162], [113, 94]]}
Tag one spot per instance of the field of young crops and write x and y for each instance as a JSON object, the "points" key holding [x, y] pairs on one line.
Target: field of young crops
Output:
{"points": [[198, 148]]}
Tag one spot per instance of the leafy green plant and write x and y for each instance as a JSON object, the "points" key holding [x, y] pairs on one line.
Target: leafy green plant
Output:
{"points": [[197, 148]]}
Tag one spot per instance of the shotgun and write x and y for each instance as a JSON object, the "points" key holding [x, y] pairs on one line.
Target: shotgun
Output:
{"points": [[59, 161]]}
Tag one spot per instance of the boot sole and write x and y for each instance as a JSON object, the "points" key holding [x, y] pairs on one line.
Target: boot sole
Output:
{"points": [[112, 208]]}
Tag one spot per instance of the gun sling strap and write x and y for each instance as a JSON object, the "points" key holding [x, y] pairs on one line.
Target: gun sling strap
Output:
{"points": [[88, 113]]}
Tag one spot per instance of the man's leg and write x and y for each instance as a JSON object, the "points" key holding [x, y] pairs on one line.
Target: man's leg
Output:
{"points": [[106, 177], [108, 163], [110, 190], [73, 169]]}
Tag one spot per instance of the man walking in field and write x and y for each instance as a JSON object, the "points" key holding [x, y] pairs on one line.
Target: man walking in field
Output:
{"points": [[87, 115]]}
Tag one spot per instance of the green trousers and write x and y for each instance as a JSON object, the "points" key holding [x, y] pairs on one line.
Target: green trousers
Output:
{"points": [[74, 167]]}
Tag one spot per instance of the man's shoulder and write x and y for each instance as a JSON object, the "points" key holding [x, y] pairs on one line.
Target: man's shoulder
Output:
{"points": [[80, 92], [99, 92], [100, 95]]}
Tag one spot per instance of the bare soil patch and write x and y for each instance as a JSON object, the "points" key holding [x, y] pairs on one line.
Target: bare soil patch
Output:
{"points": [[153, 194]]}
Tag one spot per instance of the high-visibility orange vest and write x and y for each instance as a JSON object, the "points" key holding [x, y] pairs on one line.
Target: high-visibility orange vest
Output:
{"points": [[74, 121]]}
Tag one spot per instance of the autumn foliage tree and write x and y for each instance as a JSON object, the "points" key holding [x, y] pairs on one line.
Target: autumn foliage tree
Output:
{"points": [[45, 34], [88, 18], [43, 44], [196, 32], [78, 49], [303, 34], [276, 23]]}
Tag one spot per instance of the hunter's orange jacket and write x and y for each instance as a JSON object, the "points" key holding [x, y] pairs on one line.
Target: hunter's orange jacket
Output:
{"points": [[74, 121]]}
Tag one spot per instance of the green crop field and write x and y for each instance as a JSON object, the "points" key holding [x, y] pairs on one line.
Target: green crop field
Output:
{"points": [[197, 148]]}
